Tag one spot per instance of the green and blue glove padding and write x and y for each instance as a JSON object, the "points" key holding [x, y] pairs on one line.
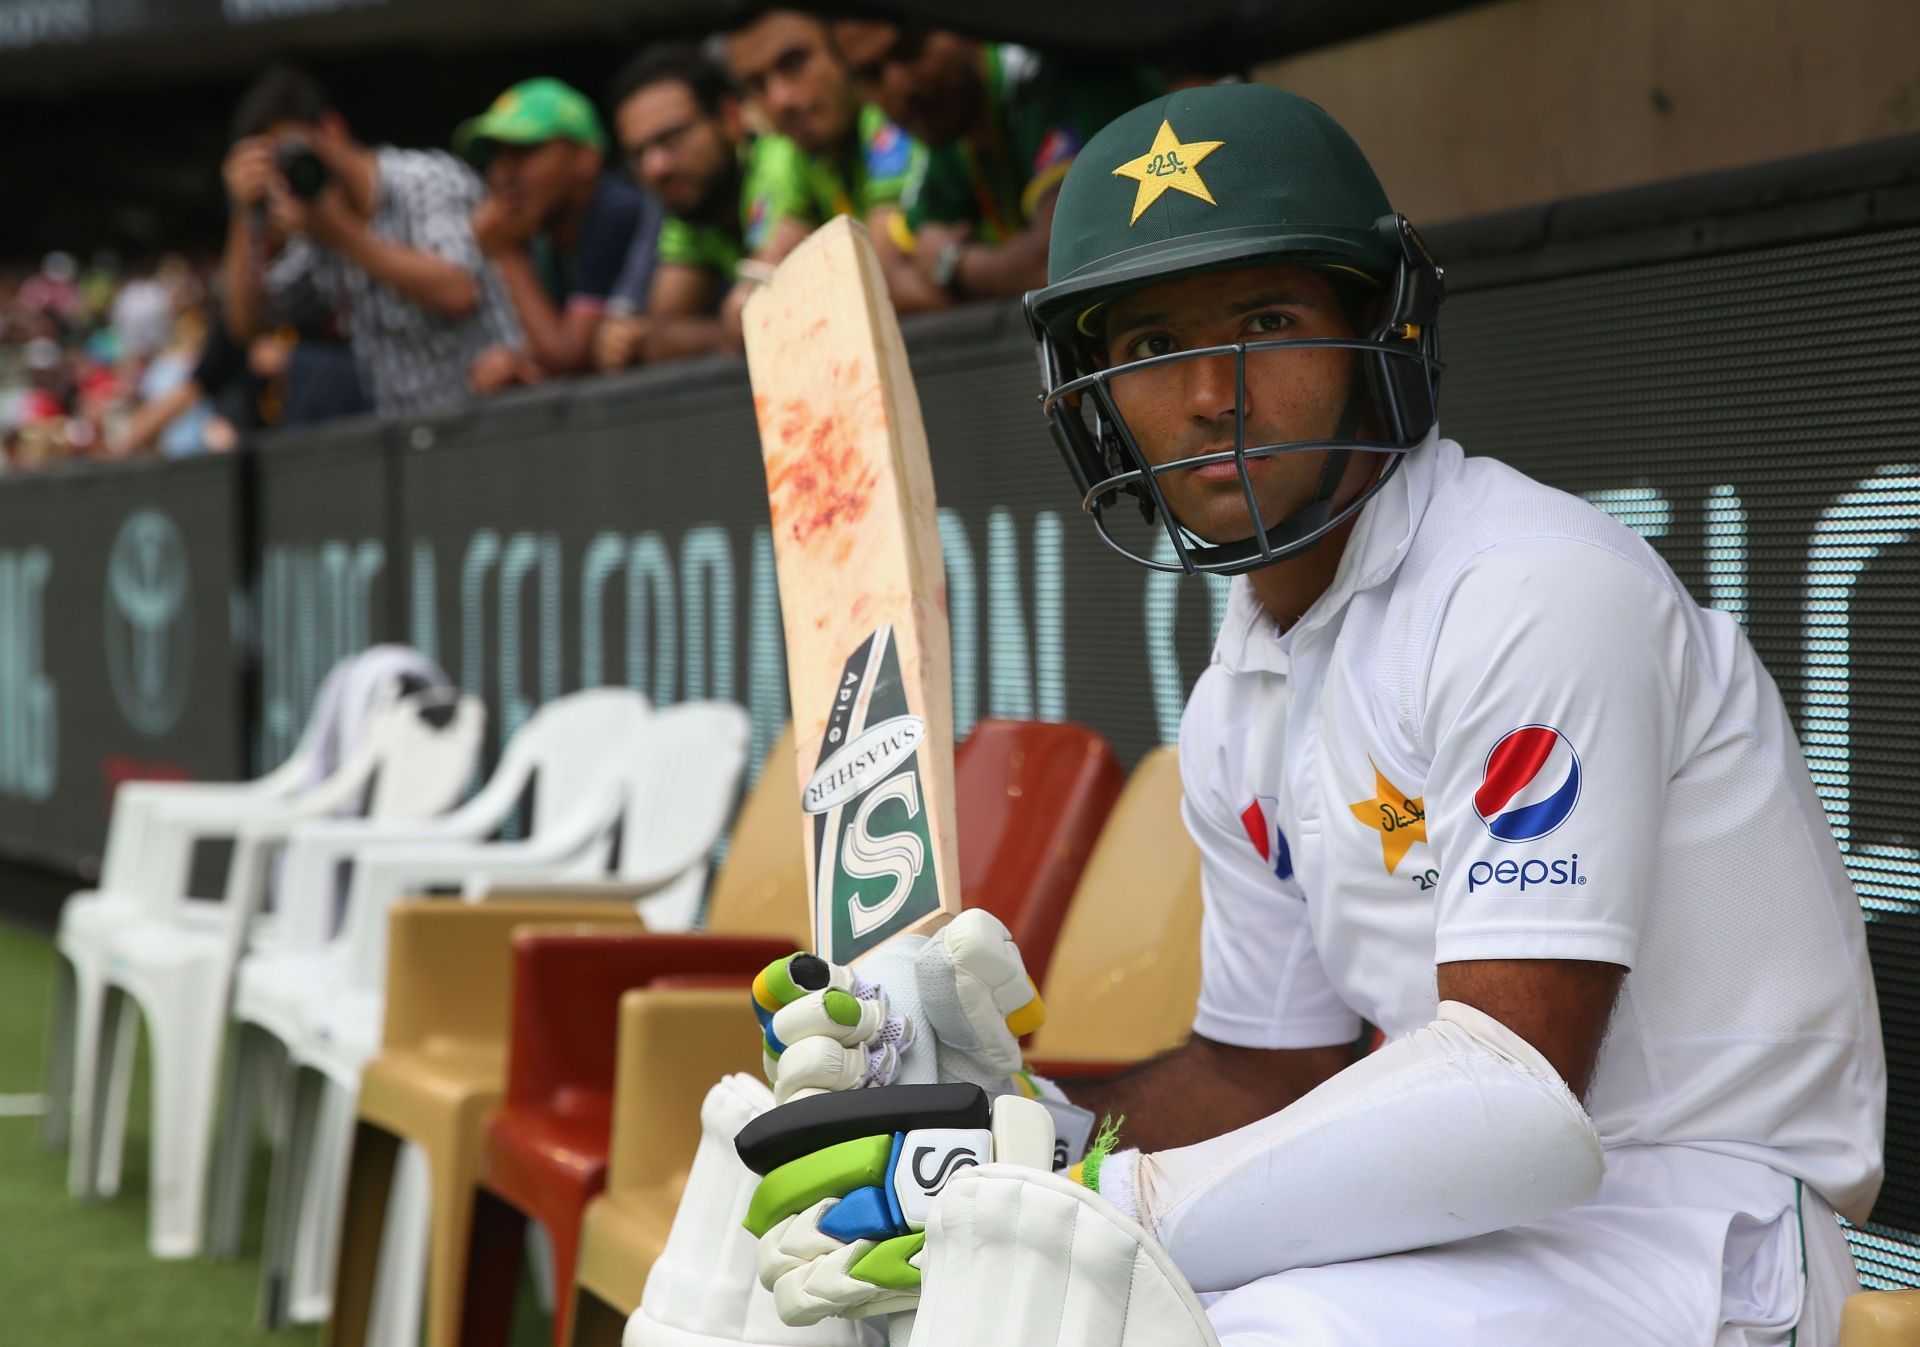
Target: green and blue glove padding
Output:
{"points": [[841, 1218]]}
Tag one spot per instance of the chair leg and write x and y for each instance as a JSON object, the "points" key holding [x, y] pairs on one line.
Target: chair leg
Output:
{"points": [[594, 1322], [566, 1256], [320, 1197], [286, 1180], [100, 1134], [62, 1025], [494, 1248], [454, 1181], [184, 1074], [251, 1053], [369, 1178], [400, 1284]]}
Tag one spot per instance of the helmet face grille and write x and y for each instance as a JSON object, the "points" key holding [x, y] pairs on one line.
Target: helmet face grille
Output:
{"points": [[1391, 407]]}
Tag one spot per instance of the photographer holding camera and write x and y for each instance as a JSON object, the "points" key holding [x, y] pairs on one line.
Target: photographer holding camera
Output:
{"points": [[380, 237]]}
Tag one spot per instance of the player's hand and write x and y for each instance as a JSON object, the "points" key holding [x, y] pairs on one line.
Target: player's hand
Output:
{"points": [[618, 342], [929, 242], [961, 998], [500, 367], [499, 229], [824, 1028], [842, 1226], [249, 171]]}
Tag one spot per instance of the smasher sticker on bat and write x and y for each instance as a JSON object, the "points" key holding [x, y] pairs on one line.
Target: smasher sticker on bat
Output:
{"points": [[870, 830]]}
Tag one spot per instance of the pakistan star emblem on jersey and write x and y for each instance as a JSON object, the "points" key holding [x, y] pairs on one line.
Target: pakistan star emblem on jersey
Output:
{"points": [[1171, 163], [1400, 819]]}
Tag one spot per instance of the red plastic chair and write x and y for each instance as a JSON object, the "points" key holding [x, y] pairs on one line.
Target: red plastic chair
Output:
{"points": [[1030, 801], [545, 1154]]}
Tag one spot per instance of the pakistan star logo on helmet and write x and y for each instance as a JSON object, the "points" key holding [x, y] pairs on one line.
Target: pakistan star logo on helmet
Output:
{"points": [[1169, 164], [1283, 186]]}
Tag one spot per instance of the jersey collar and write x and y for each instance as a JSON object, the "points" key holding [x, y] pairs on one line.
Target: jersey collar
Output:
{"points": [[1250, 640]]}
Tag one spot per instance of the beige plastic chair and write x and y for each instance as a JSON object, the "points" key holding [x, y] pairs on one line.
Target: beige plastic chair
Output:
{"points": [[670, 1049], [674, 1043], [440, 1072], [1881, 1319], [1126, 973], [762, 888]]}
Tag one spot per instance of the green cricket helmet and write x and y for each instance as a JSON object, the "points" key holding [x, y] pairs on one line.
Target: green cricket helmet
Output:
{"points": [[1214, 179]]}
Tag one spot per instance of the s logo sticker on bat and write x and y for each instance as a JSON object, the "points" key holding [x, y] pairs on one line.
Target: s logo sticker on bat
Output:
{"points": [[865, 801]]}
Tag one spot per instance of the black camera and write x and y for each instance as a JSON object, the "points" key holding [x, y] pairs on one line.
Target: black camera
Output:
{"points": [[306, 172]]}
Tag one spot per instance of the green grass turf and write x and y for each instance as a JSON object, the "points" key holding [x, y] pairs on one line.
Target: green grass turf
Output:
{"points": [[80, 1276]]}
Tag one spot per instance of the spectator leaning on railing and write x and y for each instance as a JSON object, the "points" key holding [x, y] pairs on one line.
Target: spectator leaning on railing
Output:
{"points": [[1002, 125], [321, 222], [570, 239], [735, 202], [858, 162]]}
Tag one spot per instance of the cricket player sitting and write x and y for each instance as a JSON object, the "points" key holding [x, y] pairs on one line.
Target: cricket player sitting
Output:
{"points": [[1469, 765]]}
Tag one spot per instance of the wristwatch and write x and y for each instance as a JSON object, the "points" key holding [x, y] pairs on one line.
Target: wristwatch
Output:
{"points": [[947, 265]]}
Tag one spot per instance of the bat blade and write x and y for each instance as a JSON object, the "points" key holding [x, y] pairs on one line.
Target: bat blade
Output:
{"points": [[862, 594]]}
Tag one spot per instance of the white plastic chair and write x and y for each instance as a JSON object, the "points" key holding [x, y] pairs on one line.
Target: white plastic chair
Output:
{"points": [[312, 1002], [680, 782], [143, 811], [140, 864], [174, 962], [679, 803]]}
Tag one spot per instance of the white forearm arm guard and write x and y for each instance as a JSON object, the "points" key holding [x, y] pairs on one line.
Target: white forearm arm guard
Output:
{"points": [[1456, 1130]]}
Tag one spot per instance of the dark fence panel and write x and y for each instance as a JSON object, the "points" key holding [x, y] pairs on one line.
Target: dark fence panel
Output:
{"points": [[623, 539], [118, 656], [323, 571]]}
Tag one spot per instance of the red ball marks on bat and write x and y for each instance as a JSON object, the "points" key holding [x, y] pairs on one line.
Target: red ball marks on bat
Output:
{"points": [[819, 481]]}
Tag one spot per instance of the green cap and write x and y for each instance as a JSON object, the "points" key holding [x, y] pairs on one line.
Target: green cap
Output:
{"points": [[531, 112], [1205, 179]]}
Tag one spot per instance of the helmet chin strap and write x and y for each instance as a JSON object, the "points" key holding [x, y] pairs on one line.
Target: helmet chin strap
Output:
{"points": [[1335, 468]]}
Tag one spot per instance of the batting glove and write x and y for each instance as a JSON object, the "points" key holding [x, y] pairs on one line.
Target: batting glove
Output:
{"points": [[949, 1008], [824, 1028], [841, 1227]]}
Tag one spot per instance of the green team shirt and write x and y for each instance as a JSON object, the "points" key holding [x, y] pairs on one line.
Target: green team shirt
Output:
{"points": [[867, 172], [773, 186], [1039, 113]]}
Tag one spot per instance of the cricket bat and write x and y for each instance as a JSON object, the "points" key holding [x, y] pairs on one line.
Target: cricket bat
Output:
{"points": [[863, 597], [863, 594]]}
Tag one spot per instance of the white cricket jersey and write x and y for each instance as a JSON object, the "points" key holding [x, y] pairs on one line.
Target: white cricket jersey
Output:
{"points": [[1507, 732]]}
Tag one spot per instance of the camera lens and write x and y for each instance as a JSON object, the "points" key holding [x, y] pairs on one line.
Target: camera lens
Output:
{"points": [[305, 171]]}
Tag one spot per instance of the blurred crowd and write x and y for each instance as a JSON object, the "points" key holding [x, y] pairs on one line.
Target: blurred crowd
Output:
{"points": [[553, 237], [113, 359]]}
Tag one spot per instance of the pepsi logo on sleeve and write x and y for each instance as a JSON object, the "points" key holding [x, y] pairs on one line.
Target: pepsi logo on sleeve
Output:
{"points": [[1529, 785]]}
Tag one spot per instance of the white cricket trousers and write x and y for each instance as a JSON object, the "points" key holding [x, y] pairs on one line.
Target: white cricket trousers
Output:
{"points": [[1678, 1248]]}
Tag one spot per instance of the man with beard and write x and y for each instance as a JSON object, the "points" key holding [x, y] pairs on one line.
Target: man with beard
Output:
{"points": [[567, 237], [858, 161], [736, 204], [1002, 125]]}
